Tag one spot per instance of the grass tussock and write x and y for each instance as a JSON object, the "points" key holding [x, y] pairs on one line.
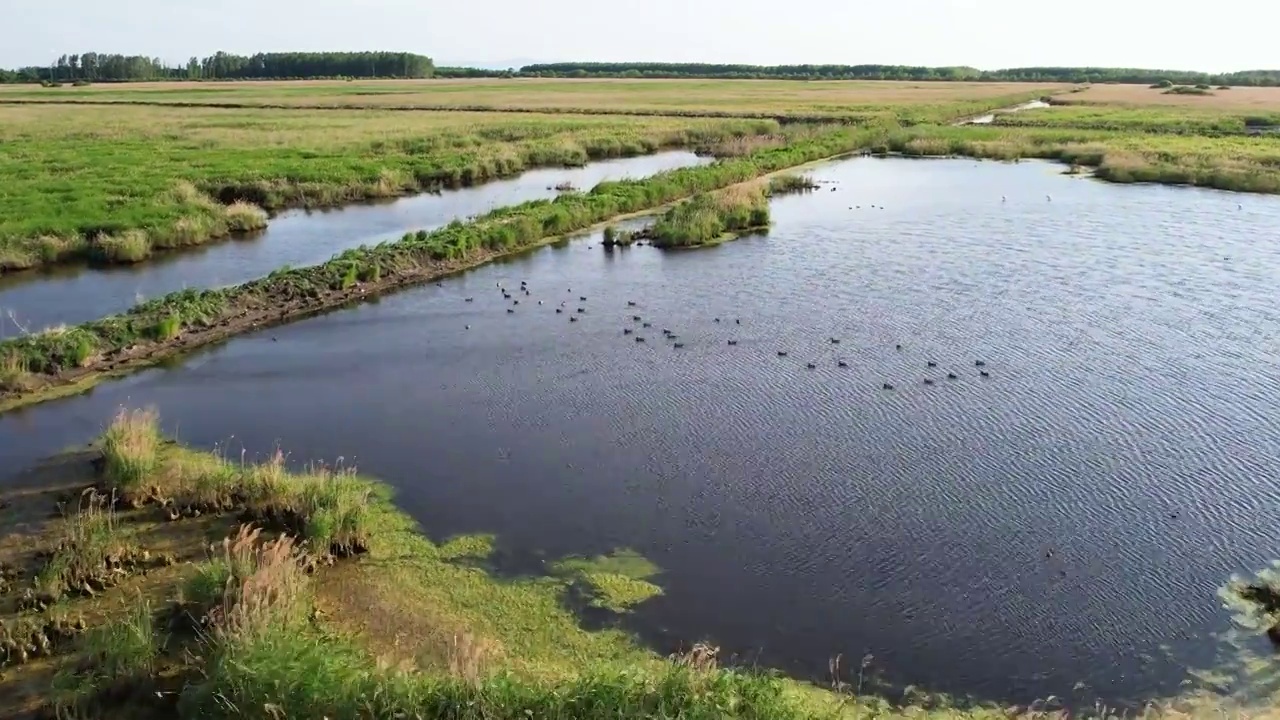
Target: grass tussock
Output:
{"points": [[327, 507], [15, 375], [90, 555], [711, 217], [127, 247], [248, 586], [789, 183], [131, 450], [118, 666]]}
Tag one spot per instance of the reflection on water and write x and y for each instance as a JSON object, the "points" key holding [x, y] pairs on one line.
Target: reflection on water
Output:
{"points": [[72, 295], [1056, 522]]}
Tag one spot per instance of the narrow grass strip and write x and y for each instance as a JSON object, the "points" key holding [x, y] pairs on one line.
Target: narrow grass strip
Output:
{"points": [[182, 320]]}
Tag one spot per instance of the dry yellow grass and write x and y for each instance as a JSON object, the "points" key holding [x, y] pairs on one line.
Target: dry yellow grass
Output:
{"points": [[600, 95], [1237, 98]]}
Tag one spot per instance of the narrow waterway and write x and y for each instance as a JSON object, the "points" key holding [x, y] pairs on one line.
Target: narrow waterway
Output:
{"points": [[1055, 527], [72, 295], [991, 117]]}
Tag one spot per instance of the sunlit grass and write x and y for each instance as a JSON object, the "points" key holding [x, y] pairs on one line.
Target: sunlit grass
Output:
{"points": [[711, 217], [115, 187], [130, 449], [1226, 163]]}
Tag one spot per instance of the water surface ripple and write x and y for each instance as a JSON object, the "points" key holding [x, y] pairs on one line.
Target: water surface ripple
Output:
{"points": [[1007, 537]]}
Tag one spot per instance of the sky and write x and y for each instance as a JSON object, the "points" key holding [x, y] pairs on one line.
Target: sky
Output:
{"points": [[986, 34]]}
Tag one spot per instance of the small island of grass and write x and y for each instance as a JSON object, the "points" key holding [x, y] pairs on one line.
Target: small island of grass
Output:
{"points": [[712, 218]]}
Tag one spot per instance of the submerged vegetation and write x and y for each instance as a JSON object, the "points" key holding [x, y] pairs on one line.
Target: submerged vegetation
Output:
{"points": [[710, 218]]}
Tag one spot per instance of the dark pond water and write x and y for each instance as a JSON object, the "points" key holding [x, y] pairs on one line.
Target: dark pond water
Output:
{"points": [[1055, 523], [78, 294]]}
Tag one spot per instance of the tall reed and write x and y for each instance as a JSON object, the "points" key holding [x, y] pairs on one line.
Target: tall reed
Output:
{"points": [[131, 448]]}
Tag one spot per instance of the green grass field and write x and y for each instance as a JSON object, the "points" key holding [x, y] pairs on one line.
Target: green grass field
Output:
{"points": [[84, 183], [1238, 163], [74, 175], [1181, 121]]}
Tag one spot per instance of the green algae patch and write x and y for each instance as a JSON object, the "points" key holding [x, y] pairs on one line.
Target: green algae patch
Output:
{"points": [[618, 581], [468, 547]]}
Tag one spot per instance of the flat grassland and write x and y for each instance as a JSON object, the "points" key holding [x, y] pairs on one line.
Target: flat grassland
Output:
{"points": [[1235, 99], [81, 182], [733, 97], [113, 185], [1237, 162]]}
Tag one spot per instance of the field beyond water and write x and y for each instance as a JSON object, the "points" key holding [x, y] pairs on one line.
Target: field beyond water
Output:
{"points": [[737, 98], [121, 605], [113, 187], [179, 164]]}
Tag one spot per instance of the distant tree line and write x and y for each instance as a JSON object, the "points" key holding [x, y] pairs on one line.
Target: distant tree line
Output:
{"points": [[468, 72], [103, 67], [898, 72], [100, 67]]}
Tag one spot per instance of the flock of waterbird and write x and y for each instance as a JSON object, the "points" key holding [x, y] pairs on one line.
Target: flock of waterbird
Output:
{"points": [[638, 324]]}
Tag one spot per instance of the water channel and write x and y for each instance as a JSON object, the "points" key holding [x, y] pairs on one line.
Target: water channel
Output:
{"points": [[76, 294], [1056, 527]]}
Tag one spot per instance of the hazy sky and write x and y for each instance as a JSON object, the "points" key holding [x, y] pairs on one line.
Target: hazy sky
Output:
{"points": [[987, 34]]}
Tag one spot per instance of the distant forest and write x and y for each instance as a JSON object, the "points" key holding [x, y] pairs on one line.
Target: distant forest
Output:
{"points": [[102, 67], [898, 72], [98, 67]]}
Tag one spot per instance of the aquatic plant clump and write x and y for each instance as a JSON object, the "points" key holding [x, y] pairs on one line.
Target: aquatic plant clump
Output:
{"points": [[1256, 601], [712, 217]]}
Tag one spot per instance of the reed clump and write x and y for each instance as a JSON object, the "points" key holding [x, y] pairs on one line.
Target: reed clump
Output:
{"points": [[789, 183], [127, 247], [131, 450], [90, 555], [712, 217]]}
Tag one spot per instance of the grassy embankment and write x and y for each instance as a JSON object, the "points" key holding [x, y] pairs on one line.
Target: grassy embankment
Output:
{"points": [[1178, 121], [81, 185], [37, 366], [1239, 163], [1132, 133]]}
